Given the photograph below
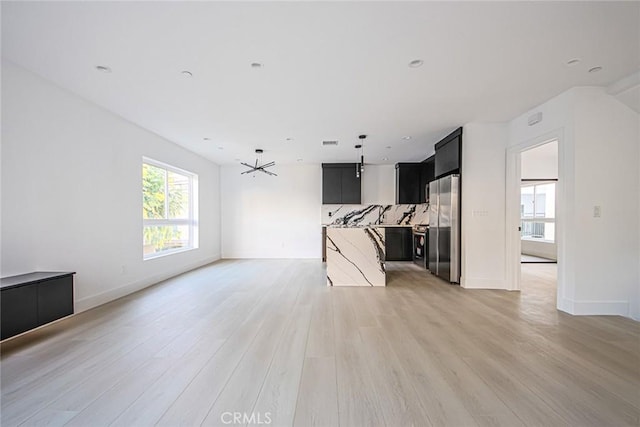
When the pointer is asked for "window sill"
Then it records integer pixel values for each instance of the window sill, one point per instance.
(528, 239)
(167, 253)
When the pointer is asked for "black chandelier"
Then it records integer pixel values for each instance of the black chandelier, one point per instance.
(259, 168)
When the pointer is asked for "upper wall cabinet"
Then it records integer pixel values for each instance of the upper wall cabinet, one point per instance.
(340, 185)
(428, 175)
(411, 182)
(449, 154)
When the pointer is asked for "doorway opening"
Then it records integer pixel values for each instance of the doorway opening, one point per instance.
(534, 219)
(538, 181)
(538, 248)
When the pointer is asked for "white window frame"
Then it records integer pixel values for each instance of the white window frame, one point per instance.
(534, 184)
(191, 222)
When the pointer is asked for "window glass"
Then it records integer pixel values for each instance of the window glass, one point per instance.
(168, 209)
(161, 238)
(153, 192)
(178, 186)
(538, 211)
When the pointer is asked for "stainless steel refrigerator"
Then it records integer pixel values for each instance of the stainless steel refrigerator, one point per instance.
(444, 228)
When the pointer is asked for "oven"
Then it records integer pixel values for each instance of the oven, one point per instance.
(421, 245)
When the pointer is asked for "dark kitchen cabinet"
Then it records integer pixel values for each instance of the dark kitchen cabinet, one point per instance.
(398, 244)
(411, 182)
(31, 300)
(428, 175)
(331, 185)
(340, 185)
(449, 154)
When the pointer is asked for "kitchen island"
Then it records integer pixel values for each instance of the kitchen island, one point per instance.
(355, 256)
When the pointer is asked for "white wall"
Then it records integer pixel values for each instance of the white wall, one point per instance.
(483, 206)
(71, 201)
(271, 216)
(280, 217)
(379, 185)
(598, 262)
(599, 161)
(606, 174)
(540, 162)
(541, 249)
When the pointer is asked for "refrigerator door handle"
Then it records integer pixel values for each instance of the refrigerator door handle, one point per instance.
(433, 254)
(455, 229)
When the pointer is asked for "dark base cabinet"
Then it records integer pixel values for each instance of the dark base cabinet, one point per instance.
(19, 310)
(31, 300)
(399, 243)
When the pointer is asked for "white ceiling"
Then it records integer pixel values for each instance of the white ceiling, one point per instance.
(627, 91)
(332, 70)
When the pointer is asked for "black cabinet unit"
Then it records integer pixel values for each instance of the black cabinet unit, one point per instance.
(55, 299)
(19, 310)
(331, 185)
(411, 182)
(408, 183)
(31, 300)
(340, 184)
(449, 154)
(428, 175)
(398, 243)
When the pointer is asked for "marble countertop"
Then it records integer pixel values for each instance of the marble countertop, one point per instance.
(356, 256)
(374, 215)
(371, 226)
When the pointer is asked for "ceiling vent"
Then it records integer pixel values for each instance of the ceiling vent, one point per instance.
(326, 143)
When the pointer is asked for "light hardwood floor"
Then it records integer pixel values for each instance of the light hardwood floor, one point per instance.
(268, 338)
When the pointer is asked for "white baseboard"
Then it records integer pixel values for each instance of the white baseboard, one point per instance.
(268, 256)
(477, 283)
(92, 301)
(595, 308)
(566, 305)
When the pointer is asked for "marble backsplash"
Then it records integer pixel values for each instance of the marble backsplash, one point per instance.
(354, 215)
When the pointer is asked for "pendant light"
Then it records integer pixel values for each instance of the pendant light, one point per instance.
(360, 162)
(362, 138)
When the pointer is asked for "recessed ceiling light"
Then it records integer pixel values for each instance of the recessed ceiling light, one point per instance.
(416, 63)
(103, 68)
(595, 69)
(206, 139)
(256, 65)
(384, 159)
(406, 138)
(236, 160)
(388, 147)
(186, 73)
(573, 61)
(289, 139)
(220, 148)
(299, 160)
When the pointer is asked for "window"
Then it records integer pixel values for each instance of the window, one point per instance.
(538, 211)
(169, 209)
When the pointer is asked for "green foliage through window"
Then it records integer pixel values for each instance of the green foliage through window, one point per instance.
(153, 189)
(166, 209)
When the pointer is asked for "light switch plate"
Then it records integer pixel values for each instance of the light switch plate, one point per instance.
(597, 211)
